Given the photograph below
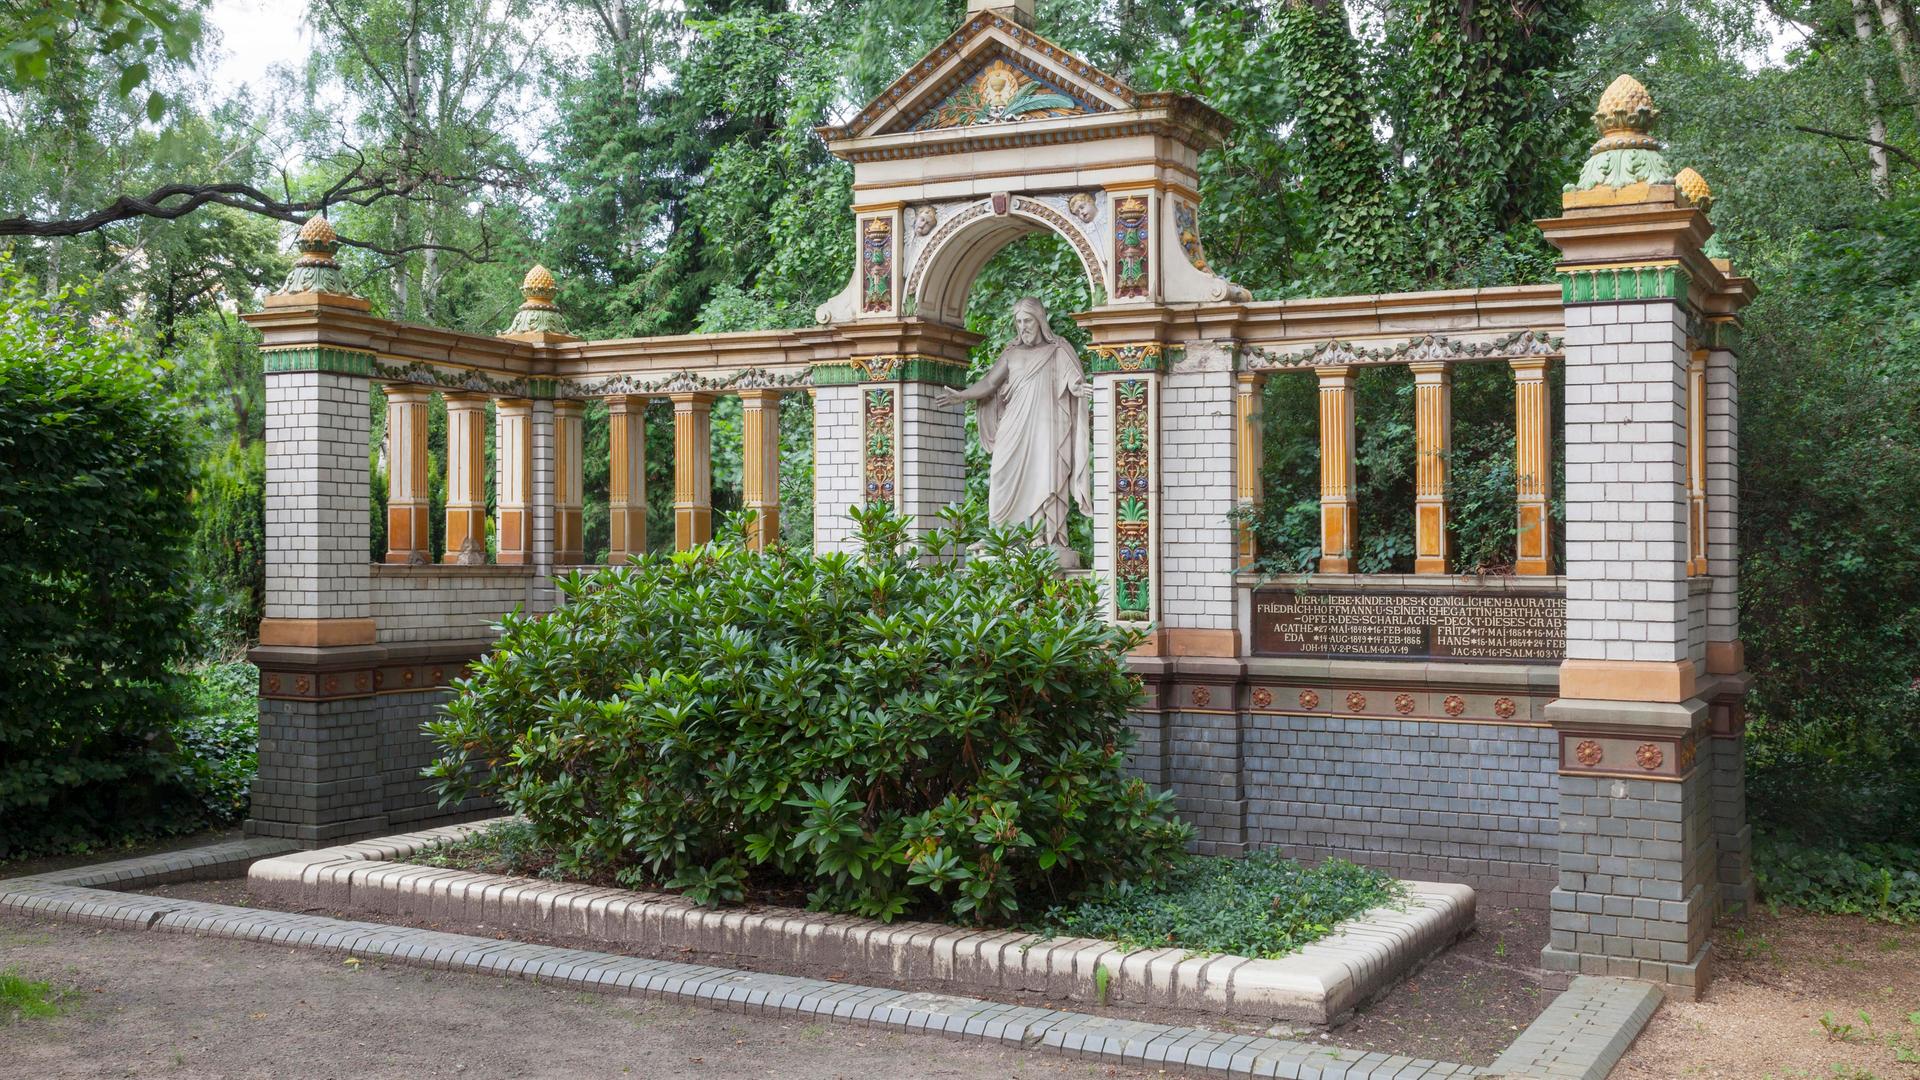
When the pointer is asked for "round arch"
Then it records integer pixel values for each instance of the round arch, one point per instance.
(945, 266)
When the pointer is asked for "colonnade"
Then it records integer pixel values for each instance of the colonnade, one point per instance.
(538, 449)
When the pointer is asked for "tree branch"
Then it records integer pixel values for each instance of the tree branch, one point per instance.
(1888, 147)
(178, 200)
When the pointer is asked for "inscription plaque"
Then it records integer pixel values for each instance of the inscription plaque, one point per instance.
(1369, 624)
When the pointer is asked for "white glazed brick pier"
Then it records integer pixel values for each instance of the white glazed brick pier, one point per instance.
(1627, 595)
(1198, 546)
(316, 527)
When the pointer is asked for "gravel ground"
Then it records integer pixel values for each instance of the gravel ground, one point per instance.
(1777, 977)
(161, 1005)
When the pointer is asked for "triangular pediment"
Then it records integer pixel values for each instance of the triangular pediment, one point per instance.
(990, 71)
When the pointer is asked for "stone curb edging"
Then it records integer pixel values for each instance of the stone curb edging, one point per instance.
(1582, 1034)
(226, 859)
(1318, 984)
(1075, 1034)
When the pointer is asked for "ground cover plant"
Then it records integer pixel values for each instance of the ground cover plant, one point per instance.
(901, 731)
(1260, 905)
(22, 998)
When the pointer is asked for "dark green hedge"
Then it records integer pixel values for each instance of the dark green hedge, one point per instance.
(96, 527)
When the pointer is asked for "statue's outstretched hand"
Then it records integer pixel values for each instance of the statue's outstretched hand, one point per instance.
(947, 397)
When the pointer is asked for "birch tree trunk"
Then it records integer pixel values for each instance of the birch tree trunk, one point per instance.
(1879, 173)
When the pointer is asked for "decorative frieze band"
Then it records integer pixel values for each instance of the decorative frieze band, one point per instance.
(893, 367)
(1148, 356)
(322, 358)
(1629, 756)
(1425, 349)
(1614, 284)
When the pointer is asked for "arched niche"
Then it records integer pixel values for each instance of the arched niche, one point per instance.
(964, 239)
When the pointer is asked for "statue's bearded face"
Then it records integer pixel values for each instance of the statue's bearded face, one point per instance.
(1026, 328)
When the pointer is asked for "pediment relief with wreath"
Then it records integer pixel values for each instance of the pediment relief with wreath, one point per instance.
(990, 71)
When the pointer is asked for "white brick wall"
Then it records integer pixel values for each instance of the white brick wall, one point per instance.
(932, 458)
(1627, 595)
(1723, 495)
(836, 466)
(317, 489)
(1198, 553)
(451, 603)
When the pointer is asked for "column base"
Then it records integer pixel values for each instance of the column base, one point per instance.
(1689, 978)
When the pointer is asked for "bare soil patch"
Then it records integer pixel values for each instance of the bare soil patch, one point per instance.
(1469, 1002)
(1777, 977)
(167, 1005)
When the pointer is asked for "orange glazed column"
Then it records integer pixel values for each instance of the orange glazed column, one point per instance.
(466, 475)
(1433, 435)
(569, 546)
(1533, 465)
(692, 470)
(626, 477)
(760, 466)
(513, 481)
(407, 499)
(1337, 470)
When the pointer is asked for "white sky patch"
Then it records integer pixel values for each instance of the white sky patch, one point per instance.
(256, 36)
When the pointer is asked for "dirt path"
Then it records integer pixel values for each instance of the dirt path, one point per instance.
(160, 1005)
(1777, 978)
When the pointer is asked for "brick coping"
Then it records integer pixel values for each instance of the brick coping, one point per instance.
(1582, 1033)
(1319, 984)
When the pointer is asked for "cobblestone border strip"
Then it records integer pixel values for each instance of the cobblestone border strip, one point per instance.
(1582, 1034)
(1318, 984)
(1073, 1034)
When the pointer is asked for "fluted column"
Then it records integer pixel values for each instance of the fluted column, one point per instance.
(1337, 470)
(1697, 463)
(626, 477)
(760, 465)
(407, 498)
(1532, 466)
(1248, 454)
(466, 475)
(569, 546)
(513, 481)
(1433, 436)
(692, 470)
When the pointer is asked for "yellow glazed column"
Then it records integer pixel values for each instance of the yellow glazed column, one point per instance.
(1697, 463)
(466, 472)
(692, 470)
(407, 502)
(1433, 436)
(513, 481)
(626, 477)
(1248, 452)
(1532, 466)
(569, 547)
(760, 466)
(1337, 470)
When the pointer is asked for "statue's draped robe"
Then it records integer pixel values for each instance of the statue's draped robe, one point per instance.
(1037, 431)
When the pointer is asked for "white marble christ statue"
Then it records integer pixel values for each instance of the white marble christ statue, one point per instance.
(1035, 420)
